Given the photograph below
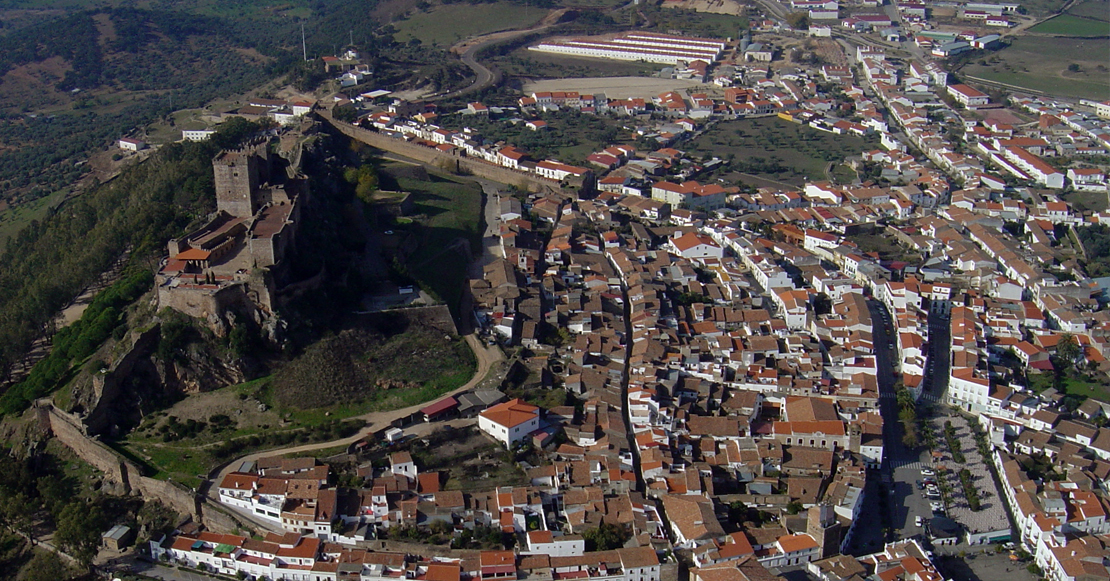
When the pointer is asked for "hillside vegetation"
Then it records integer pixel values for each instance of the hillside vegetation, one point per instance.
(49, 263)
(395, 367)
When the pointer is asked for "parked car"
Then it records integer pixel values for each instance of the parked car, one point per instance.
(928, 472)
(917, 521)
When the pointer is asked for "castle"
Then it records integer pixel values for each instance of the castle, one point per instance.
(238, 259)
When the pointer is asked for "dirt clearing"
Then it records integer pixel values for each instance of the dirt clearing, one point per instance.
(614, 87)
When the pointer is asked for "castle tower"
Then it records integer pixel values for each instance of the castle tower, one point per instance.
(824, 527)
(238, 175)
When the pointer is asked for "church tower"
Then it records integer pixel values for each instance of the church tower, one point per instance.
(824, 527)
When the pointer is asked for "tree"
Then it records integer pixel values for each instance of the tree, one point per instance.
(798, 20)
(1068, 349)
(1074, 68)
(46, 566)
(79, 527)
(794, 507)
(17, 512)
(605, 537)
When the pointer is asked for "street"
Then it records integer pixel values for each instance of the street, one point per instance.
(896, 483)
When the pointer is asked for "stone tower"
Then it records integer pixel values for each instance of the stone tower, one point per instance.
(238, 174)
(824, 527)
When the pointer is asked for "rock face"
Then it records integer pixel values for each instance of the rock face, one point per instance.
(138, 376)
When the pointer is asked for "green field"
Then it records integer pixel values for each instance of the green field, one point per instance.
(1068, 25)
(694, 23)
(1043, 7)
(448, 213)
(1092, 9)
(1041, 64)
(15, 219)
(447, 24)
(776, 149)
(1087, 201)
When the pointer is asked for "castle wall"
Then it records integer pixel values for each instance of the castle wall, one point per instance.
(69, 431)
(440, 159)
(202, 303)
(128, 476)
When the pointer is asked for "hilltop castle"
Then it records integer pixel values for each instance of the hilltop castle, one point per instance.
(238, 259)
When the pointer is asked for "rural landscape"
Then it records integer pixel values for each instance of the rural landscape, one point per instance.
(461, 290)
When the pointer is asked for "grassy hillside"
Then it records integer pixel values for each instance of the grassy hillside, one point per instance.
(389, 366)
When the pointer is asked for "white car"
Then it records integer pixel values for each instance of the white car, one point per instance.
(927, 472)
(917, 521)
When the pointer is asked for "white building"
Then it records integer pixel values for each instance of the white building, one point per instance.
(695, 247)
(196, 134)
(544, 543)
(129, 144)
(510, 422)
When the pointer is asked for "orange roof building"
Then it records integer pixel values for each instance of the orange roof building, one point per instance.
(510, 422)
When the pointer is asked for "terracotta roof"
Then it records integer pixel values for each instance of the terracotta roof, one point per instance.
(511, 413)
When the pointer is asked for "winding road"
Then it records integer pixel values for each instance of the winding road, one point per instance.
(469, 49)
(486, 356)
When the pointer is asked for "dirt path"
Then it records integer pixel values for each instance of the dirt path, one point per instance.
(468, 51)
(486, 356)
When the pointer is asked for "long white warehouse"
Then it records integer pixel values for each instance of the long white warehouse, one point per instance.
(639, 46)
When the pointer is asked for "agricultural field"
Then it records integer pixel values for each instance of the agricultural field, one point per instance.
(1092, 9)
(1044, 64)
(1043, 7)
(779, 150)
(522, 62)
(1070, 25)
(447, 24)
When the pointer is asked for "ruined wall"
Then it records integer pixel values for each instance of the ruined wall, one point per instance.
(128, 476)
(69, 431)
(171, 494)
(202, 303)
(479, 168)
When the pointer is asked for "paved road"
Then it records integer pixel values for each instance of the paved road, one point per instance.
(892, 498)
(375, 421)
(168, 573)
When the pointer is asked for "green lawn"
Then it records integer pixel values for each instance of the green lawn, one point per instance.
(776, 149)
(1075, 386)
(447, 24)
(1068, 25)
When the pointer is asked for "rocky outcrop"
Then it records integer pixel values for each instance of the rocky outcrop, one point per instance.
(134, 378)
